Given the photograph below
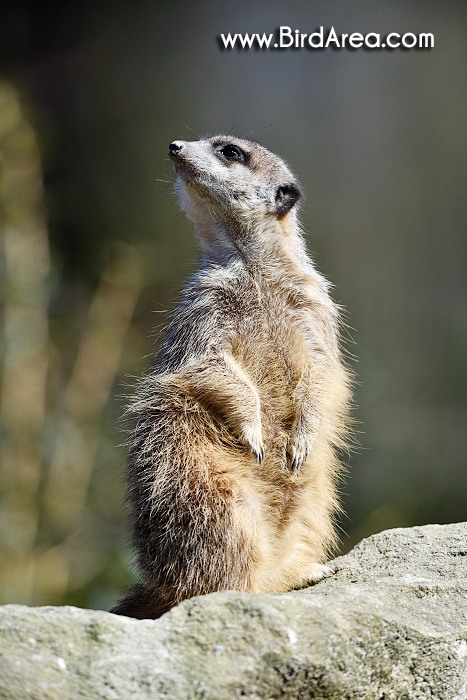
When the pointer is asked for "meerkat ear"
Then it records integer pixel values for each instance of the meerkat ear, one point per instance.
(286, 197)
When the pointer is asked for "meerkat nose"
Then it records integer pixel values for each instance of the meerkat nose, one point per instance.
(175, 147)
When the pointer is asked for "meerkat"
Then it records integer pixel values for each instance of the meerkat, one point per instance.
(233, 465)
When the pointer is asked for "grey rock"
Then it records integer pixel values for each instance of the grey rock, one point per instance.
(390, 625)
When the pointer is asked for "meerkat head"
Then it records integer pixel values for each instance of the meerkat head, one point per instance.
(232, 182)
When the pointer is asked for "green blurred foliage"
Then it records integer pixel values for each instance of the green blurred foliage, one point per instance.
(379, 142)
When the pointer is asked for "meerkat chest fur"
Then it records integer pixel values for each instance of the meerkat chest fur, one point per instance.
(232, 476)
(277, 324)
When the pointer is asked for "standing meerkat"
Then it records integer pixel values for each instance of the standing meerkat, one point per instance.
(233, 467)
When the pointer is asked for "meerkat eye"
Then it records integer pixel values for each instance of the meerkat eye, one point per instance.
(232, 153)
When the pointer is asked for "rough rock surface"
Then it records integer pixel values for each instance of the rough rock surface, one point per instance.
(391, 624)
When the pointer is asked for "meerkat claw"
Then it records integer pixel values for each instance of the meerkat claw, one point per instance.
(252, 439)
(296, 463)
(297, 458)
(319, 571)
(258, 453)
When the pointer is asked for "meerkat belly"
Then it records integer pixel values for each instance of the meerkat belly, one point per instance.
(275, 358)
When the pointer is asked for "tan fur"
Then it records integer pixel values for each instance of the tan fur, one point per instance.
(232, 478)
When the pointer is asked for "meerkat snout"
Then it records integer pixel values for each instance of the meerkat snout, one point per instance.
(175, 147)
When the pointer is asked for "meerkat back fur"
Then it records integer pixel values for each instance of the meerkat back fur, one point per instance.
(233, 465)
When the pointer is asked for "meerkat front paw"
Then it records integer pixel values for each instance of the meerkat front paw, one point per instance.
(300, 448)
(317, 572)
(252, 438)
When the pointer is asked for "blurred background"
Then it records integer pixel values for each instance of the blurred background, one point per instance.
(93, 251)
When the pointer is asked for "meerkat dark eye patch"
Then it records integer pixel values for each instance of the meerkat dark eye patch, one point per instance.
(286, 197)
(232, 153)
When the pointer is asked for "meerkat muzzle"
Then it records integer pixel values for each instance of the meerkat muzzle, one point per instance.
(175, 148)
